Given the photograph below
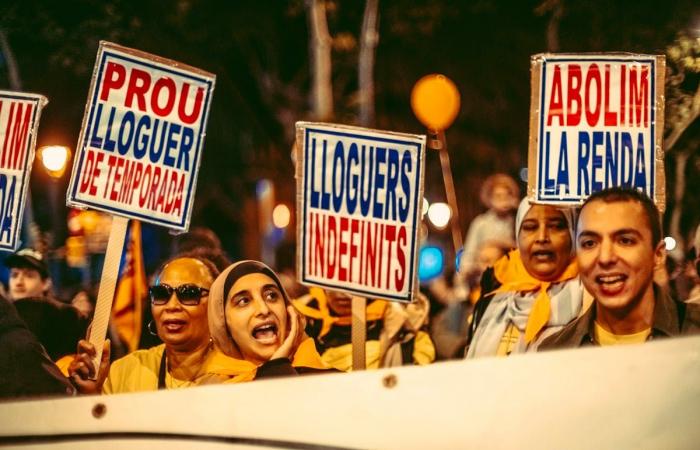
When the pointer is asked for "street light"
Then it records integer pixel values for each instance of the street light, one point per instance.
(55, 159)
(439, 214)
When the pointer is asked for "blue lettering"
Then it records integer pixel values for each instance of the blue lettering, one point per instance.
(640, 173)
(611, 159)
(563, 165)
(95, 140)
(339, 155)
(312, 179)
(352, 179)
(378, 183)
(597, 161)
(123, 147)
(392, 180)
(626, 154)
(406, 168)
(174, 130)
(141, 146)
(584, 154)
(366, 174)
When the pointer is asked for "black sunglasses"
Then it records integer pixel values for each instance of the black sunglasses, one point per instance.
(187, 294)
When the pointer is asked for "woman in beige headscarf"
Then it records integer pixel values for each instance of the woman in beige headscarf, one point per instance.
(252, 321)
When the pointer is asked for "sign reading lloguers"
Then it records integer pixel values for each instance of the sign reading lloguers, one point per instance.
(359, 198)
(19, 122)
(596, 121)
(142, 137)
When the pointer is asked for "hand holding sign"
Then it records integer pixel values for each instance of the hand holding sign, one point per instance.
(139, 151)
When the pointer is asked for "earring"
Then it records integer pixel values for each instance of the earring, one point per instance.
(150, 330)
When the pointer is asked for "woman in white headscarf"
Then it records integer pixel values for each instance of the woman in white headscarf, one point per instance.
(537, 290)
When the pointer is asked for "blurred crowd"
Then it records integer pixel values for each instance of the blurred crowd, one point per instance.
(531, 278)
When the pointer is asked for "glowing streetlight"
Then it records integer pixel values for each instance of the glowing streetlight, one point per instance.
(55, 159)
(281, 216)
(439, 214)
(426, 205)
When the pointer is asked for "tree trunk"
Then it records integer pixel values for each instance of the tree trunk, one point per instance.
(320, 52)
(557, 9)
(369, 37)
(679, 188)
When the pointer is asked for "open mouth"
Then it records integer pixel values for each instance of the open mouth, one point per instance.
(543, 255)
(265, 333)
(611, 284)
(174, 325)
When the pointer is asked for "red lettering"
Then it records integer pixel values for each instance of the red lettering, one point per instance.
(5, 152)
(639, 92)
(111, 161)
(139, 82)
(556, 103)
(87, 171)
(342, 249)
(401, 257)
(117, 178)
(354, 229)
(331, 250)
(178, 198)
(169, 85)
(115, 74)
(196, 109)
(610, 117)
(592, 115)
(390, 238)
(623, 82)
(371, 255)
(573, 96)
(143, 193)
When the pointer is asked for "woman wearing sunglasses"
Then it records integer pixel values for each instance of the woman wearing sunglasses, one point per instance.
(252, 321)
(187, 357)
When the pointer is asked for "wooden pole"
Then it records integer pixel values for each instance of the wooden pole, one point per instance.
(108, 283)
(359, 332)
(450, 190)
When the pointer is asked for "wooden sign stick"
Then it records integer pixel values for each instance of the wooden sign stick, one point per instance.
(108, 283)
(359, 332)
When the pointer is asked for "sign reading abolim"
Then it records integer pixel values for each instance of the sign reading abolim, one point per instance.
(596, 121)
(359, 196)
(141, 142)
(19, 123)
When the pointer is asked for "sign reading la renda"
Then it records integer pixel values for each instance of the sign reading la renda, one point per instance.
(359, 194)
(596, 122)
(142, 137)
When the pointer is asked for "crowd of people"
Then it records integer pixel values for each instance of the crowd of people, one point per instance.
(533, 277)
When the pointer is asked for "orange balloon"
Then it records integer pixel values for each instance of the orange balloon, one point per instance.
(435, 101)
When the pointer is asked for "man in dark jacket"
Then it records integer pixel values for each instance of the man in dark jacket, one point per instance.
(619, 248)
(57, 325)
(25, 369)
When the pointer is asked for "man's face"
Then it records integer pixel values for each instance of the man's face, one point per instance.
(26, 283)
(616, 255)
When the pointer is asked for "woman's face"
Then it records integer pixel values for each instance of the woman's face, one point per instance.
(183, 327)
(544, 242)
(256, 315)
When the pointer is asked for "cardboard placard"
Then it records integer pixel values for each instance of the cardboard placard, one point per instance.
(143, 131)
(359, 199)
(596, 121)
(19, 123)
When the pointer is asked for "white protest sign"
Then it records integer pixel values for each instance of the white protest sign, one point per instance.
(142, 137)
(19, 123)
(596, 121)
(359, 196)
(139, 152)
(617, 397)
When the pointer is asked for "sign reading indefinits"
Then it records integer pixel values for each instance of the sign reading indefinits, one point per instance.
(359, 195)
(19, 122)
(142, 137)
(596, 121)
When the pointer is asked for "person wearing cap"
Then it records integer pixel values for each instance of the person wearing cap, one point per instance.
(396, 333)
(253, 322)
(29, 275)
(619, 247)
(531, 292)
(57, 325)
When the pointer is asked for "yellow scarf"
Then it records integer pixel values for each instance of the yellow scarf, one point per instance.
(240, 370)
(511, 272)
(375, 311)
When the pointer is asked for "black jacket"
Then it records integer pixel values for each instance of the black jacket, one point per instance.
(25, 368)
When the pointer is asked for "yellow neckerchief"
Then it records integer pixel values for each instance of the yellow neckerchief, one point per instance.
(604, 338)
(511, 272)
(374, 311)
(240, 370)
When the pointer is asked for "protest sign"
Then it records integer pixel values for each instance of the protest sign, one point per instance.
(596, 121)
(19, 123)
(139, 152)
(359, 196)
(142, 137)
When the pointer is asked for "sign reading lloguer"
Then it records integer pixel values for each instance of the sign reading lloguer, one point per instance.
(142, 137)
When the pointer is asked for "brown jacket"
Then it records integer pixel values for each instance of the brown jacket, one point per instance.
(671, 318)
